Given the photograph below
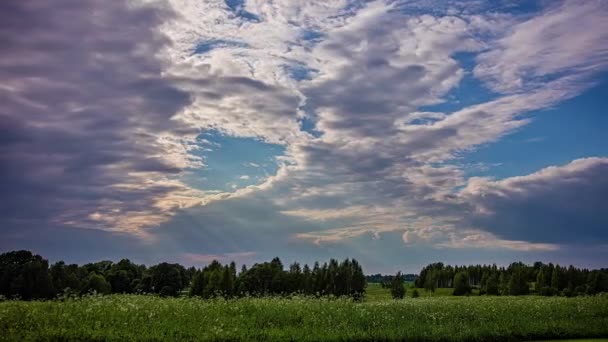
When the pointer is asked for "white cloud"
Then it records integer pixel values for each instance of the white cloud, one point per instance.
(375, 64)
(380, 163)
(567, 39)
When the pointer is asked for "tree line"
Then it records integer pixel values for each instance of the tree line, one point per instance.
(386, 279)
(27, 276)
(269, 278)
(516, 279)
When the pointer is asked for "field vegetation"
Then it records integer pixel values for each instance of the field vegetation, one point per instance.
(333, 301)
(439, 318)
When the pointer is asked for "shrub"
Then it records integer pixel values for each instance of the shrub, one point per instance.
(97, 283)
(167, 291)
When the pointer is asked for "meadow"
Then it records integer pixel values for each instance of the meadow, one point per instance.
(374, 292)
(428, 318)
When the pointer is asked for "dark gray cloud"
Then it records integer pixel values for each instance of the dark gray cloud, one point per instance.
(564, 205)
(82, 103)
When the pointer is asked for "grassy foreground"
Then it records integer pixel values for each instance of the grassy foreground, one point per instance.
(129, 317)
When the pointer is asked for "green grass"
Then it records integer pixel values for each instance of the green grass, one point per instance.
(132, 318)
(375, 292)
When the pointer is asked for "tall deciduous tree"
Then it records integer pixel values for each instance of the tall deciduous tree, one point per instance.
(25, 275)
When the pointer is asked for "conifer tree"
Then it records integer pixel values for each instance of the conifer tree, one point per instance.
(492, 285)
(540, 281)
(556, 279)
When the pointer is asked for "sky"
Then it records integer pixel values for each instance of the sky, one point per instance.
(396, 132)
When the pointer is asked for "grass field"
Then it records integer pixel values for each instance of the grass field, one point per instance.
(375, 292)
(132, 318)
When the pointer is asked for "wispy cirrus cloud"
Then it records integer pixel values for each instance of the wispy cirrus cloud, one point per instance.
(567, 41)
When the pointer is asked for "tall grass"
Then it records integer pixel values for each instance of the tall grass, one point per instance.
(136, 318)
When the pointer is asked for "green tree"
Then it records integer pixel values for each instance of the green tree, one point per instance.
(121, 276)
(165, 274)
(593, 283)
(397, 288)
(197, 286)
(430, 283)
(25, 275)
(518, 284)
(492, 285)
(294, 281)
(483, 285)
(556, 279)
(358, 280)
(461, 284)
(97, 283)
(65, 277)
(503, 283)
(227, 282)
(307, 280)
(144, 285)
(540, 281)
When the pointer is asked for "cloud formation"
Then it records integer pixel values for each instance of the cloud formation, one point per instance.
(535, 51)
(558, 204)
(86, 118)
(99, 126)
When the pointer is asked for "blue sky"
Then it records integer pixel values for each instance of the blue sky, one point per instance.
(574, 129)
(396, 132)
(232, 163)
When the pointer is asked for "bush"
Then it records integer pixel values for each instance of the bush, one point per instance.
(97, 283)
(580, 290)
(547, 291)
(567, 292)
(167, 291)
(415, 293)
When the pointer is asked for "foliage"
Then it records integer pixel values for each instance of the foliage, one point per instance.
(97, 284)
(517, 278)
(492, 285)
(332, 278)
(431, 281)
(386, 279)
(168, 276)
(25, 276)
(461, 284)
(541, 281)
(151, 318)
(397, 288)
(517, 283)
